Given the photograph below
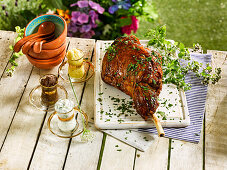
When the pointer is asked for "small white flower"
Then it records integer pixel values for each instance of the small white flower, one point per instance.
(50, 12)
(87, 136)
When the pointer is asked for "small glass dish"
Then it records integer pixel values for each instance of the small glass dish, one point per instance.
(89, 71)
(52, 124)
(36, 100)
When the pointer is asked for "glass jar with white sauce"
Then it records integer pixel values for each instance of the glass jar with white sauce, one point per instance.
(66, 115)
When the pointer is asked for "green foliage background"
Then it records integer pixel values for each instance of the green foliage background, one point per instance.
(24, 11)
(187, 21)
(192, 21)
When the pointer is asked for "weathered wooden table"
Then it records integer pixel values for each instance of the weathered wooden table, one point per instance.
(26, 142)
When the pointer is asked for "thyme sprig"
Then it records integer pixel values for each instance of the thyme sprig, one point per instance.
(173, 53)
(87, 135)
(14, 56)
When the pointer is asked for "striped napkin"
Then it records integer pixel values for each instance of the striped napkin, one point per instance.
(196, 99)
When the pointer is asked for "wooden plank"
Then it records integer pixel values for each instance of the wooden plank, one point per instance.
(84, 155)
(51, 151)
(23, 133)
(6, 39)
(181, 152)
(216, 116)
(85, 152)
(185, 155)
(88, 100)
(117, 155)
(180, 155)
(40, 149)
(18, 146)
(11, 88)
(156, 157)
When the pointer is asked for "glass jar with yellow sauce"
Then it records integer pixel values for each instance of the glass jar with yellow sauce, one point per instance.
(75, 60)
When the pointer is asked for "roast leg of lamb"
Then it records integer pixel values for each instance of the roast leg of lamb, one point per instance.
(135, 70)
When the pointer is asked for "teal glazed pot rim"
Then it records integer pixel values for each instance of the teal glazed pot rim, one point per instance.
(33, 24)
(60, 30)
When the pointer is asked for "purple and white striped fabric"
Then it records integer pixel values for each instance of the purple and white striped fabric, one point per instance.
(196, 99)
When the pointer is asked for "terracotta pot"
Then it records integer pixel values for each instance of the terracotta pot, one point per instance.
(47, 63)
(60, 31)
(47, 54)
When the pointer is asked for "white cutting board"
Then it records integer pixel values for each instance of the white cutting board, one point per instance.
(108, 102)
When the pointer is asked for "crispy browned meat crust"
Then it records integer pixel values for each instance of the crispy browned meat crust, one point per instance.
(135, 70)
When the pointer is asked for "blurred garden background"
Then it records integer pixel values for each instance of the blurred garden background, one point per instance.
(187, 21)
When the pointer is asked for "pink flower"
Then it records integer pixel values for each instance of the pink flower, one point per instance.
(75, 16)
(129, 28)
(81, 4)
(83, 18)
(85, 28)
(96, 7)
(93, 15)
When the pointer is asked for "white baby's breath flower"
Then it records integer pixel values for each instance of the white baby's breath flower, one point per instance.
(87, 136)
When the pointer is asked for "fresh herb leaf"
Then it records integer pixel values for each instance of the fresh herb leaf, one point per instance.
(12, 60)
(173, 71)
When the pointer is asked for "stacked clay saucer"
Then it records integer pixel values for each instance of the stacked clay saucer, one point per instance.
(53, 50)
